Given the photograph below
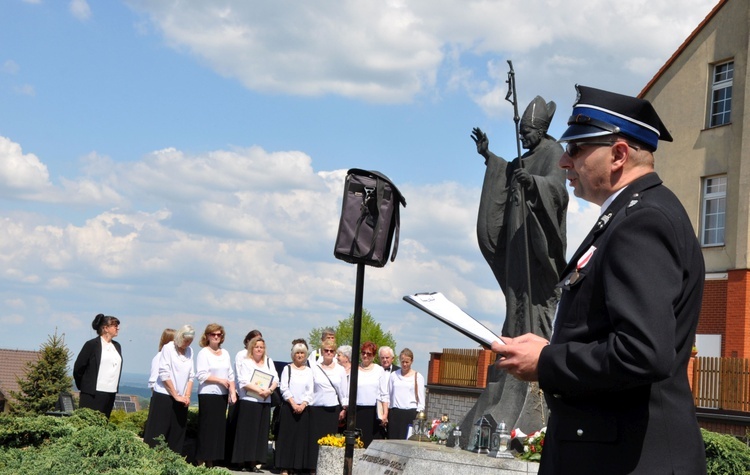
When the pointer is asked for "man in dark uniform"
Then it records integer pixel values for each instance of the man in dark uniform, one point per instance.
(615, 371)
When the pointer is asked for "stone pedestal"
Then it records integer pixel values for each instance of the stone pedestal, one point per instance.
(331, 460)
(403, 457)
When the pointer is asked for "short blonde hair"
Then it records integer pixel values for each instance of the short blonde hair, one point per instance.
(251, 344)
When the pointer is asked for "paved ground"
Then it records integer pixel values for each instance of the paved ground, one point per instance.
(246, 472)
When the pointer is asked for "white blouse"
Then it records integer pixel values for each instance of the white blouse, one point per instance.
(297, 384)
(209, 364)
(246, 367)
(401, 390)
(154, 375)
(109, 368)
(372, 385)
(176, 368)
(326, 389)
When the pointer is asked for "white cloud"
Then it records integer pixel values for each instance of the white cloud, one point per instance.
(21, 172)
(25, 177)
(10, 67)
(25, 90)
(392, 51)
(80, 9)
(376, 51)
(235, 236)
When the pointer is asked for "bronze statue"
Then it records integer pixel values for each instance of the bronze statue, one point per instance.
(500, 226)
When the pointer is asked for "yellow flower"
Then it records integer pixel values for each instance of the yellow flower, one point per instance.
(338, 441)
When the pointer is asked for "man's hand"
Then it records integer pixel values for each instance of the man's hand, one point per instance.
(523, 177)
(520, 355)
(483, 143)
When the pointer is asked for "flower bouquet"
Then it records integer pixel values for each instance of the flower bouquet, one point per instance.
(533, 445)
(440, 429)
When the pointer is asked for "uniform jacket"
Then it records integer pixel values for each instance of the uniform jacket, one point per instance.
(615, 375)
(86, 367)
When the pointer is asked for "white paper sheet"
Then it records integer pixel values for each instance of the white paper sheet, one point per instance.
(437, 305)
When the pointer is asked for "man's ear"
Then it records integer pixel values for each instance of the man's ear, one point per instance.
(620, 153)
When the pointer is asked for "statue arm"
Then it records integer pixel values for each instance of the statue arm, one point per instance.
(482, 142)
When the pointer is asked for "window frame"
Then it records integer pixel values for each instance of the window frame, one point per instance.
(720, 94)
(715, 235)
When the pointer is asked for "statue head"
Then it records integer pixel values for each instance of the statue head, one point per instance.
(535, 122)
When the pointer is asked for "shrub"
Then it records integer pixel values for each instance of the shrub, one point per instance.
(42, 445)
(85, 417)
(132, 421)
(725, 455)
(31, 431)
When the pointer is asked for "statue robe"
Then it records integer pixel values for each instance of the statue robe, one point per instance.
(501, 236)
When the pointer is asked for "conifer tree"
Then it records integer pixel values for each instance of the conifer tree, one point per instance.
(45, 379)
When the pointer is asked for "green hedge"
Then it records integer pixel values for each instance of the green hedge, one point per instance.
(84, 444)
(725, 455)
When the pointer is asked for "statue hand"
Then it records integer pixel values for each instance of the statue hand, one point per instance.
(483, 143)
(523, 177)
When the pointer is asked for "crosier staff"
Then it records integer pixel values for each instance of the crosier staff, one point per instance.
(511, 97)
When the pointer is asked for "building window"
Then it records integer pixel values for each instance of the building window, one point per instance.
(721, 94)
(714, 210)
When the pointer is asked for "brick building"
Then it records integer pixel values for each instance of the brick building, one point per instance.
(700, 95)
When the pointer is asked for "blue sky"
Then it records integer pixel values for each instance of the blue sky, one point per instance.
(182, 162)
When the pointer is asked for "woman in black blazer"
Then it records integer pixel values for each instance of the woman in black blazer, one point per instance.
(98, 367)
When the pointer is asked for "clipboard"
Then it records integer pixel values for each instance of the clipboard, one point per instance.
(437, 305)
(261, 379)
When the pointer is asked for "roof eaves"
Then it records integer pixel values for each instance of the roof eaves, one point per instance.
(682, 47)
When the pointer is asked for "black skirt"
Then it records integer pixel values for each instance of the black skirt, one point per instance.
(232, 413)
(166, 417)
(368, 422)
(251, 435)
(399, 421)
(324, 420)
(212, 426)
(291, 443)
(99, 401)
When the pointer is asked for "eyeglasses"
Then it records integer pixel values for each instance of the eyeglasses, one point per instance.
(116, 325)
(366, 353)
(574, 148)
(328, 351)
(218, 334)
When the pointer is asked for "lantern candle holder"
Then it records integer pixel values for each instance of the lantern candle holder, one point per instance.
(420, 428)
(482, 433)
(500, 443)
